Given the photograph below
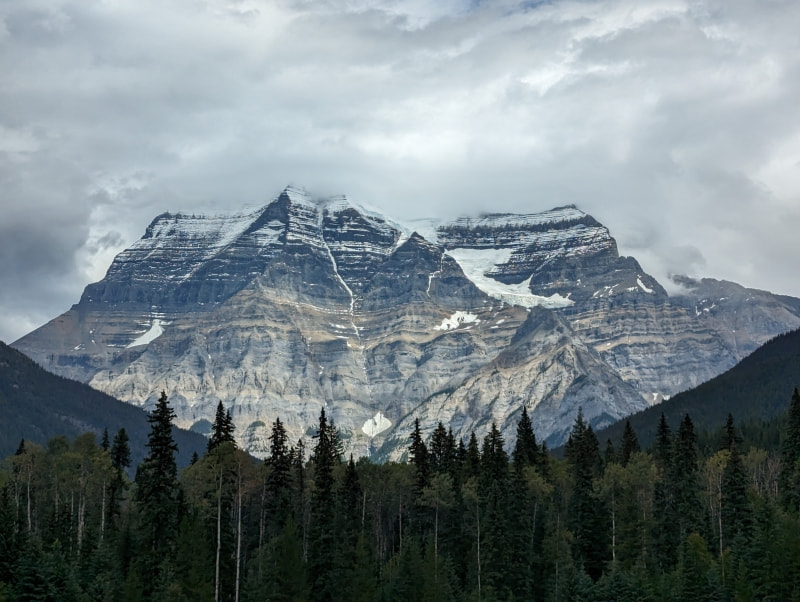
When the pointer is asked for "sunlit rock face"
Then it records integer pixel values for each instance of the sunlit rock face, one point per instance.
(308, 303)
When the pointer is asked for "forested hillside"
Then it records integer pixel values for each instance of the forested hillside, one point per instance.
(36, 405)
(756, 391)
(461, 520)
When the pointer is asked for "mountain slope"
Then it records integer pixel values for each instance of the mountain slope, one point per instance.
(310, 302)
(757, 388)
(37, 405)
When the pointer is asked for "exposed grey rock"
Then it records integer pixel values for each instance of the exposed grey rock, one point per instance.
(307, 303)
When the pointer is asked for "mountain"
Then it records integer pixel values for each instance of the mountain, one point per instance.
(37, 405)
(757, 388)
(310, 302)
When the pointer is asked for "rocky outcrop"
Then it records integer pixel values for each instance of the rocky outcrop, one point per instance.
(316, 302)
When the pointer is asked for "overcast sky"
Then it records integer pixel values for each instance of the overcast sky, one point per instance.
(675, 123)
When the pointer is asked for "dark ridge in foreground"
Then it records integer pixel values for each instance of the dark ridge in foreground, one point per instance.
(36, 405)
(757, 388)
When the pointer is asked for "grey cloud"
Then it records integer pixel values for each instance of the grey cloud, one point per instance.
(673, 122)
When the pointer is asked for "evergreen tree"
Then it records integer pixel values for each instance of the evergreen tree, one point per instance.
(418, 454)
(729, 438)
(279, 480)
(8, 537)
(222, 429)
(121, 451)
(587, 517)
(442, 450)
(610, 455)
(630, 443)
(105, 444)
(666, 536)
(472, 460)
(120, 461)
(789, 480)
(158, 497)
(299, 498)
(685, 481)
(321, 545)
(494, 493)
(735, 507)
(526, 451)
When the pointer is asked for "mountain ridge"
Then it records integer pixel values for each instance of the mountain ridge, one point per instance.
(307, 303)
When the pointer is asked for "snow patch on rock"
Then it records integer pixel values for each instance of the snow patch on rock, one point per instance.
(152, 334)
(477, 263)
(642, 286)
(375, 425)
(456, 320)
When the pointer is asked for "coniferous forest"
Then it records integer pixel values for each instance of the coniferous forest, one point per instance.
(460, 520)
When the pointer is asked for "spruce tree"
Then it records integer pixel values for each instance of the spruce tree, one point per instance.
(418, 454)
(789, 479)
(121, 451)
(279, 480)
(472, 461)
(158, 498)
(587, 518)
(441, 451)
(494, 493)
(735, 508)
(665, 533)
(630, 443)
(120, 461)
(526, 450)
(321, 549)
(222, 429)
(685, 480)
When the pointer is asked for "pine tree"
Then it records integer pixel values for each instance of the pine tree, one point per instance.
(222, 429)
(441, 450)
(789, 480)
(630, 443)
(121, 451)
(418, 454)
(729, 438)
(472, 460)
(610, 455)
(494, 493)
(526, 451)
(158, 497)
(322, 547)
(665, 528)
(685, 481)
(588, 516)
(120, 461)
(735, 506)
(279, 480)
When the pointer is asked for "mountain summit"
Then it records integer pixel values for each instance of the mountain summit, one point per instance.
(317, 302)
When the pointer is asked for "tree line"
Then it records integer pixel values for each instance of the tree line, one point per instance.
(459, 520)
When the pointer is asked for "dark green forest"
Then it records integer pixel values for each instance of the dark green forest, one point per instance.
(461, 520)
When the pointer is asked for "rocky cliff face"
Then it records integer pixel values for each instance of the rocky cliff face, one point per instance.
(307, 303)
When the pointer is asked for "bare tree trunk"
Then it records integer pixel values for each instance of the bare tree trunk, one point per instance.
(219, 536)
(436, 546)
(478, 516)
(238, 532)
(103, 512)
(613, 525)
(30, 526)
(363, 508)
(81, 516)
(558, 552)
(400, 518)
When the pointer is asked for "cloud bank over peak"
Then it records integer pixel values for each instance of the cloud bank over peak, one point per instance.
(675, 123)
